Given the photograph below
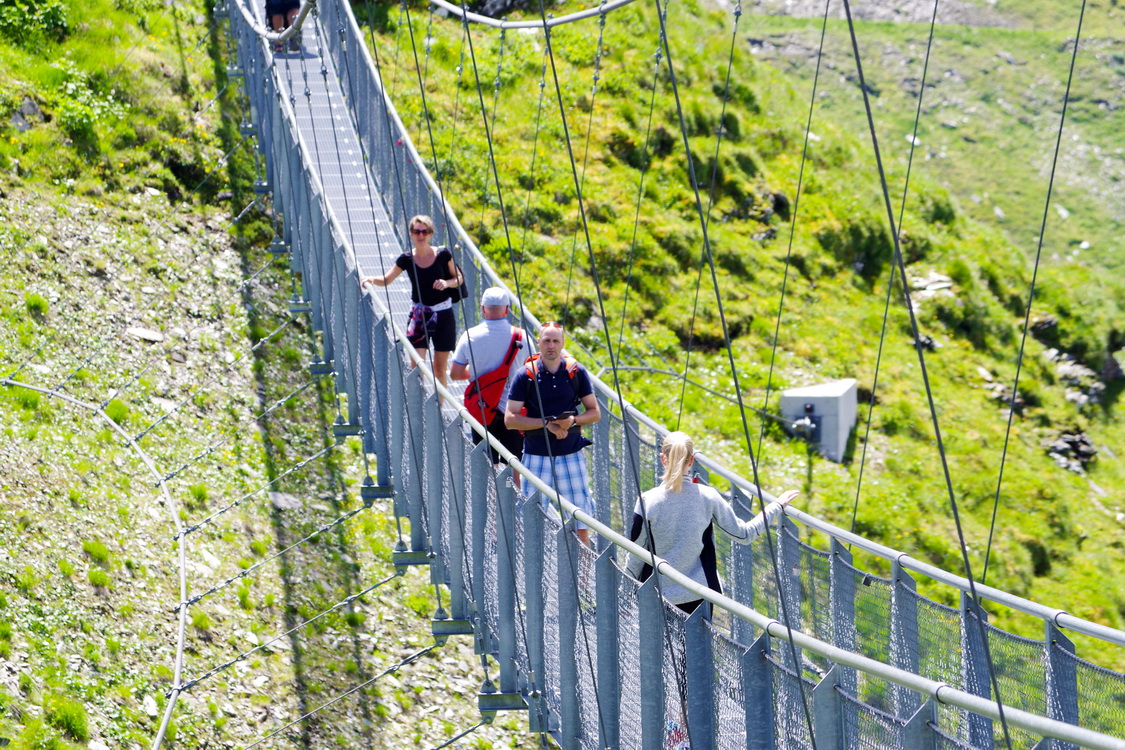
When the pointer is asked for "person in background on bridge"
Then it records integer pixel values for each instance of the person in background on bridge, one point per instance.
(491, 354)
(280, 14)
(551, 385)
(680, 523)
(433, 275)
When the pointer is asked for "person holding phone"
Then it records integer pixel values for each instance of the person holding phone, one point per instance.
(558, 397)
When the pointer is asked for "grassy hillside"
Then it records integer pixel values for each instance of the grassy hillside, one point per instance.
(1058, 534)
(126, 281)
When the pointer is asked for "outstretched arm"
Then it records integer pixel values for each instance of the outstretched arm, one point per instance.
(745, 532)
(383, 280)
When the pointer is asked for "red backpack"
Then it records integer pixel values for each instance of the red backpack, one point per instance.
(483, 395)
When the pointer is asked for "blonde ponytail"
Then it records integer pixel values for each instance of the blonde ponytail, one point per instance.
(678, 452)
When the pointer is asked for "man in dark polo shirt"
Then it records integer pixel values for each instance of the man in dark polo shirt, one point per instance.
(552, 385)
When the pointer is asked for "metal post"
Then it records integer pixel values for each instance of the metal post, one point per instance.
(741, 569)
(631, 471)
(757, 692)
(480, 469)
(538, 720)
(505, 580)
(700, 673)
(396, 449)
(458, 533)
(355, 350)
(1062, 680)
(325, 252)
(904, 637)
(568, 641)
(434, 483)
(828, 725)
(601, 467)
(651, 664)
(608, 634)
(411, 446)
(789, 556)
(918, 732)
(975, 667)
(378, 399)
(842, 585)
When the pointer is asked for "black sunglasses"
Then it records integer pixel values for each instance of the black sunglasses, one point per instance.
(422, 230)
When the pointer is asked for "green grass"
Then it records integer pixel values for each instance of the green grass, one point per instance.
(36, 304)
(99, 578)
(96, 551)
(841, 256)
(118, 411)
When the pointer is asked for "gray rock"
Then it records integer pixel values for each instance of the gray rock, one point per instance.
(30, 110)
(146, 334)
(284, 501)
(19, 123)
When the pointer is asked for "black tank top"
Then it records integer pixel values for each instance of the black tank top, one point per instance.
(422, 279)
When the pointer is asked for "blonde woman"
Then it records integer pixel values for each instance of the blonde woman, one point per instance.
(432, 274)
(681, 518)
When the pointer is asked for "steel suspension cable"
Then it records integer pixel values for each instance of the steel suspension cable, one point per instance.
(295, 467)
(792, 229)
(786, 618)
(586, 153)
(737, 13)
(891, 279)
(678, 667)
(267, 643)
(211, 448)
(1031, 293)
(925, 374)
(573, 564)
(534, 156)
(215, 375)
(494, 475)
(391, 670)
(658, 57)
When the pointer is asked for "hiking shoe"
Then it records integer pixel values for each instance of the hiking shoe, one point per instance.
(278, 47)
(295, 42)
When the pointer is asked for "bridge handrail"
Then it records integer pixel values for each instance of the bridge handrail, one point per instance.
(1057, 616)
(1020, 604)
(496, 23)
(285, 34)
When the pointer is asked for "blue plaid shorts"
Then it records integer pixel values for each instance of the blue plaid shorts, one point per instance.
(573, 481)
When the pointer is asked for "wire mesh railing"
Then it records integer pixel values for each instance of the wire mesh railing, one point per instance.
(583, 646)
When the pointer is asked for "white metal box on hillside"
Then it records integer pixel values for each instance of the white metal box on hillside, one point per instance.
(831, 407)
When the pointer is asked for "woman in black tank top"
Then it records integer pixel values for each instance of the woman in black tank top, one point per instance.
(432, 274)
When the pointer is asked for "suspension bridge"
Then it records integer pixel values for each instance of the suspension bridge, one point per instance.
(805, 648)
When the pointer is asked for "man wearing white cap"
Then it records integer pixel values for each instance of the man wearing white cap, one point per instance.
(489, 354)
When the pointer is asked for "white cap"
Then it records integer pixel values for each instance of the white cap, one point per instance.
(495, 296)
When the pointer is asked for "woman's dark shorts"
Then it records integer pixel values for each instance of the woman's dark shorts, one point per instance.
(280, 7)
(443, 334)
